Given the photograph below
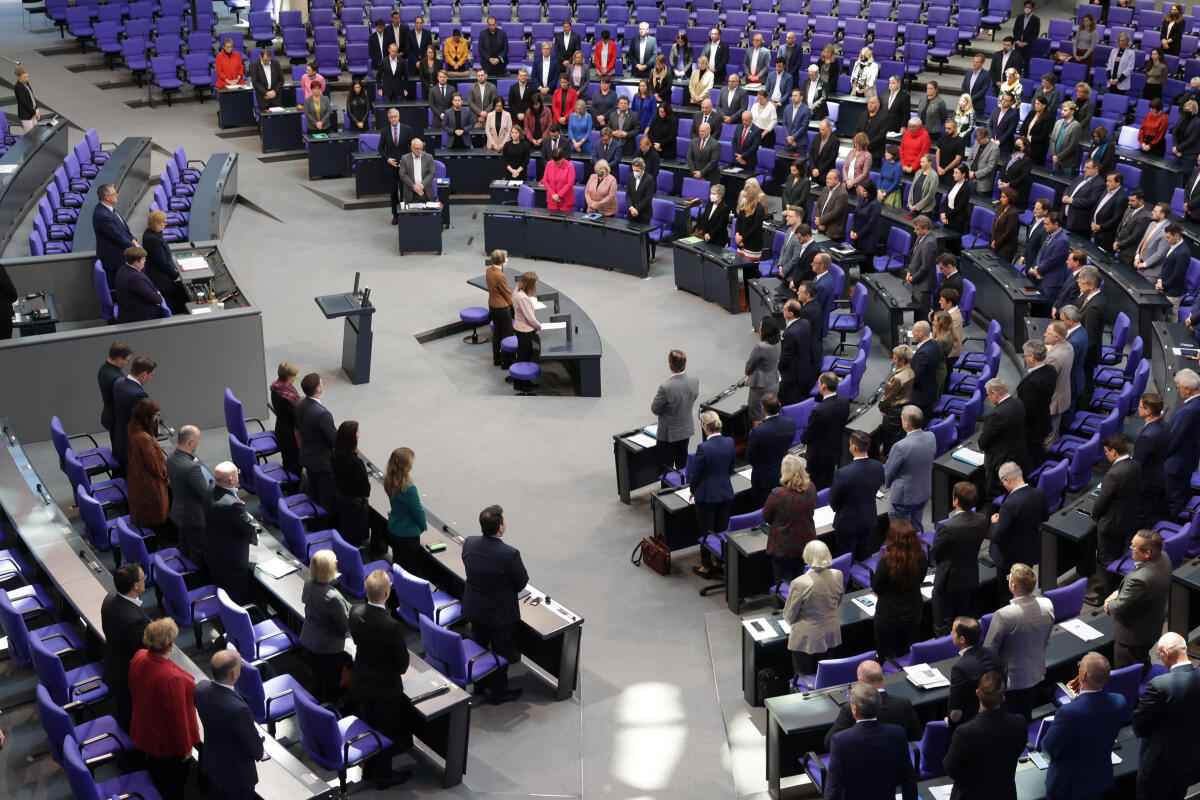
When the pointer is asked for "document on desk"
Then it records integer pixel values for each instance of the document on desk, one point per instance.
(192, 263)
(760, 629)
(642, 440)
(1081, 629)
(651, 430)
(276, 567)
(685, 494)
(924, 676)
(554, 326)
(275, 108)
(867, 603)
(972, 457)
(823, 516)
(6, 169)
(941, 792)
(745, 472)
(537, 304)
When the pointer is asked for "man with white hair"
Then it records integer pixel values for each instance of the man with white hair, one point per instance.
(814, 90)
(229, 531)
(1183, 452)
(642, 52)
(1163, 720)
(1017, 525)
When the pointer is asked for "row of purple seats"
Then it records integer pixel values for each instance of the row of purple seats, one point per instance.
(57, 211)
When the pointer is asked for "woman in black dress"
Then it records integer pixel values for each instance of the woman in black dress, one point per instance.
(1036, 128)
(351, 484)
(663, 130)
(897, 584)
(358, 107)
(516, 154)
(160, 264)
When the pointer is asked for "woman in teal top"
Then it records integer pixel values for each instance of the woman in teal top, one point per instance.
(406, 521)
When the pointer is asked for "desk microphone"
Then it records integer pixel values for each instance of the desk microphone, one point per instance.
(42, 493)
(11, 438)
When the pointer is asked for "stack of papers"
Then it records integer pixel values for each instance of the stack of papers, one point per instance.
(867, 603)
(1081, 629)
(823, 516)
(745, 472)
(642, 440)
(924, 676)
(276, 567)
(554, 326)
(972, 457)
(686, 494)
(760, 629)
(192, 263)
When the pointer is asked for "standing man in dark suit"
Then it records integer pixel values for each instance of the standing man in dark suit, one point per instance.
(1035, 391)
(893, 709)
(111, 371)
(391, 81)
(1002, 125)
(624, 124)
(1172, 283)
(493, 48)
(1093, 310)
(266, 77)
(1036, 236)
(380, 661)
(797, 368)
(229, 531)
(495, 574)
(639, 193)
(869, 742)
(1016, 531)
(127, 392)
(704, 156)
(394, 143)
(731, 101)
(815, 90)
(717, 53)
(924, 364)
(983, 753)
(956, 552)
(769, 442)
(1150, 450)
(1025, 31)
(922, 263)
(123, 621)
(1183, 452)
(566, 44)
(673, 404)
(1163, 720)
(896, 105)
(112, 234)
(189, 485)
(706, 115)
(315, 425)
(377, 45)
(823, 434)
(1132, 228)
(974, 661)
(977, 82)
(747, 138)
(1049, 268)
(1080, 741)
(1003, 436)
(1139, 606)
(852, 498)
(712, 491)
(1004, 59)
(810, 309)
(1081, 198)
(823, 152)
(1116, 511)
(136, 295)
(416, 42)
(232, 743)
(396, 34)
(1109, 212)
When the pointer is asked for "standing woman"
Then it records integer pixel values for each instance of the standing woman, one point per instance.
(351, 484)
(1186, 133)
(680, 60)
(230, 69)
(829, 67)
(751, 211)
(890, 175)
(537, 120)
(762, 367)
(428, 70)
(160, 264)
(644, 105)
(765, 117)
(1152, 135)
(943, 335)
(558, 176)
(525, 322)
(406, 521)
(789, 512)
(868, 236)
(500, 305)
(712, 488)
(1084, 45)
(164, 724)
(600, 194)
(956, 204)
(1120, 65)
(579, 129)
(27, 107)
(326, 623)
(857, 166)
(897, 584)
(516, 153)
(796, 187)
(897, 390)
(1006, 225)
(497, 127)
(700, 83)
(664, 129)
(146, 477)
(812, 609)
(1156, 75)
(1036, 128)
(661, 79)
(864, 75)
(1172, 31)
(358, 106)
(922, 195)
(283, 402)
(579, 75)
(964, 116)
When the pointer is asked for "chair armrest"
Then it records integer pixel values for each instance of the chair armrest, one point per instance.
(253, 610)
(89, 682)
(437, 609)
(261, 427)
(200, 600)
(495, 658)
(262, 639)
(202, 164)
(811, 759)
(101, 737)
(87, 436)
(260, 665)
(275, 697)
(346, 746)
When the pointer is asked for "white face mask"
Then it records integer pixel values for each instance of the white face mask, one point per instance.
(712, 198)
(1029, 12)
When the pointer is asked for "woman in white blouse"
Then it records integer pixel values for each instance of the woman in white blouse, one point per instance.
(1120, 65)
(864, 74)
(765, 118)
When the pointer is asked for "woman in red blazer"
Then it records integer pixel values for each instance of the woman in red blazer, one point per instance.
(164, 724)
(558, 176)
(604, 54)
(230, 69)
(563, 104)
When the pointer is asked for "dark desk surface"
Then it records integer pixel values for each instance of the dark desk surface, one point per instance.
(575, 217)
(947, 237)
(1132, 282)
(35, 155)
(1012, 280)
(1143, 159)
(1165, 361)
(585, 341)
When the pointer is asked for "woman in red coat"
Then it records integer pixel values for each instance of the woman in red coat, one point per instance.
(558, 177)
(230, 70)
(146, 477)
(164, 724)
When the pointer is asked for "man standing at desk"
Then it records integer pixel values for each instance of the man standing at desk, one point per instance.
(823, 434)
(111, 371)
(1016, 527)
(769, 442)
(391, 81)
(922, 264)
(1163, 720)
(852, 498)
(799, 359)
(982, 756)
(673, 404)
(266, 76)
(1019, 634)
(1116, 512)
(189, 485)
(893, 709)
(126, 393)
(136, 295)
(868, 760)
(315, 425)
(417, 174)
(956, 553)
(1140, 604)
(495, 574)
(228, 533)
(232, 743)
(123, 621)
(1183, 452)
(1080, 741)
(493, 48)
(113, 236)
(392, 141)
(909, 469)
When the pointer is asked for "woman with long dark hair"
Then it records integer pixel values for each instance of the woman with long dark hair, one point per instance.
(897, 585)
(146, 477)
(351, 484)
(406, 522)
(358, 106)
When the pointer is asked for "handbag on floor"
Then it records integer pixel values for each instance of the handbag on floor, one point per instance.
(656, 555)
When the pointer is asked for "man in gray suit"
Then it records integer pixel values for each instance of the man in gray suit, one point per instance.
(909, 468)
(1064, 142)
(704, 156)
(1152, 250)
(832, 208)
(481, 98)
(229, 530)
(1132, 228)
(1019, 634)
(1140, 604)
(417, 174)
(315, 426)
(674, 403)
(983, 162)
(189, 483)
(922, 262)
(732, 101)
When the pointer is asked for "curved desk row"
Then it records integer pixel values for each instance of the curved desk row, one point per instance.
(570, 237)
(33, 160)
(70, 565)
(128, 169)
(1002, 292)
(577, 346)
(214, 198)
(1135, 295)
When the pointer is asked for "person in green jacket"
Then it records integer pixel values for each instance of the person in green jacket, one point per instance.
(406, 522)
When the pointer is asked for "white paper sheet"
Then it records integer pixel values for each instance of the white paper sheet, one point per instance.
(276, 567)
(1081, 629)
(685, 493)
(970, 456)
(554, 326)
(642, 440)
(822, 516)
(192, 263)
(759, 630)
(941, 792)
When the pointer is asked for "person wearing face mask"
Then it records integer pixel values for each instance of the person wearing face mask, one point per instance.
(864, 74)
(639, 192)
(1017, 173)
(713, 223)
(1025, 31)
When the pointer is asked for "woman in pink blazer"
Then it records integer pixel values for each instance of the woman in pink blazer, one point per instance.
(601, 191)
(558, 177)
(857, 166)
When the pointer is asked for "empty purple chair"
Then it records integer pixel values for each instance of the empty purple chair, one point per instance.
(95, 459)
(1068, 600)
(163, 70)
(270, 700)
(833, 672)
(335, 743)
(301, 543)
(71, 688)
(418, 598)
(263, 443)
(97, 740)
(58, 637)
(255, 641)
(461, 660)
(190, 608)
(270, 496)
(353, 572)
(84, 786)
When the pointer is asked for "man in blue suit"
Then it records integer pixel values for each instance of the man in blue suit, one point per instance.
(769, 442)
(1037, 234)
(232, 743)
(977, 82)
(1170, 705)
(1172, 282)
(869, 760)
(1050, 267)
(925, 359)
(1150, 450)
(137, 297)
(909, 468)
(712, 490)
(1077, 337)
(852, 498)
(607, 148)
(112, 234)
(796, 116)
(822, 288)
(747, 138)
(127, 392)
(1080, 739)
(779, 85)
(1081, 198)
(1183, 450)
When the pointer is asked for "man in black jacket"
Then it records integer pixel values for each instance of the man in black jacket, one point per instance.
(1109, 212)
(266, 76)
(639, 193)
(852, 498)
(1163, 720)
(495, 575)
(797, 369)
(956, 552)
(1003, 436)
(379, 664)
(1035, 392)
(228, 533)
(1115, 510)
(925, 359)
(893, 709)
(111, 371)
(123, 622)
(983, 753)
(232, 743)
(315, 426)
(769, 442)
(127, 392)
(973, 663)
(1150, 450)
(874, 123)
(1131, 228)
(823, 434)
(1017, 527)
(394, 143)
(1094, 310)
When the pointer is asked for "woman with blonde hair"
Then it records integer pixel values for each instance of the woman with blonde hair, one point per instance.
(864, 74)
(789, 512)
(326, 623)
(700, 84)
(812, 609)
(601, 191)
(27, 107)
(943, 334)
(751, 211)
(1011, 84)
(406, 521)
(964, 115)
(897, 390)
